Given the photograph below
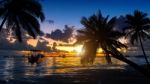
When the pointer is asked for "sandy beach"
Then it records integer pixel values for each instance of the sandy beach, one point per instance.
(102, 76)
(89, 76)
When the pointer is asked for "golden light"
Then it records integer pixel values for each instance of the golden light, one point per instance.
(77, 48)
(100, 50)
(11, 39)
(32, 42)
(65, 48)
(122, 50)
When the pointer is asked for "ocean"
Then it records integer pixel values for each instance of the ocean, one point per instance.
(14, 66)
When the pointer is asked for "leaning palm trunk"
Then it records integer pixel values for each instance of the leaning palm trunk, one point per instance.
(146, 59)
(132, 64)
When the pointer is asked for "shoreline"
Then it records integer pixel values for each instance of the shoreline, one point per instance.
(101, 76)
(90, 76)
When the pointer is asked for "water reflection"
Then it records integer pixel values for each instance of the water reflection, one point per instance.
(35, 59)
(18, 67)
(8, 66)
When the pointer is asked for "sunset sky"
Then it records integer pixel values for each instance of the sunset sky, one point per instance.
(70, 11)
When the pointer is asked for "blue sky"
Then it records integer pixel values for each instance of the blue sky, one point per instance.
(70, 11)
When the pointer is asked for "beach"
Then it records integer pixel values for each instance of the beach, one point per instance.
(101, 75)
(74, 42)
(17, 70)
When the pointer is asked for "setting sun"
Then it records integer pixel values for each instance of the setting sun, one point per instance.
(74, 42)
(77, 48)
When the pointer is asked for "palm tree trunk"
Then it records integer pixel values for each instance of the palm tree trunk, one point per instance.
(146, 59)
(90, 53)
(93, 51)
(108, 58)
(132, 64)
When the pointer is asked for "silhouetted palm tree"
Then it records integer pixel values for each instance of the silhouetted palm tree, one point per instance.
(137, 28)
(21, 14)
(99, 32)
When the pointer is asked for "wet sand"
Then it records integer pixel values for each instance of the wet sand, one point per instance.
(90, 76)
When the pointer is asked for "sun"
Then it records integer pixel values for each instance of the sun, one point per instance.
(78, 48)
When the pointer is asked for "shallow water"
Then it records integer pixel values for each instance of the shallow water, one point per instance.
(18, 67)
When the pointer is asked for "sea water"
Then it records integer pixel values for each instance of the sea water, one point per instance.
(17, 67)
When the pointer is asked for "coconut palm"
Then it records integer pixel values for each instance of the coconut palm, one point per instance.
(95, 34)
(138, 25)
(21, 15)
(99, 32)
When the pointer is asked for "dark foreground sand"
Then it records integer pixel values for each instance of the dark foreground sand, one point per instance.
(100, 76)
(91, 76)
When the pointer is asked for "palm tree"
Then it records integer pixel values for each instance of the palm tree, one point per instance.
(95, 34)
(137, 28)
(21, 15)
(99, 32)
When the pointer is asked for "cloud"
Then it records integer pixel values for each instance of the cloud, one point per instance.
(64, 35)
(9, 42)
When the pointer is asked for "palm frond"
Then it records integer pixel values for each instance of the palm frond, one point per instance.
(112, 21)
(137, 22)
(99, 31)
(134, 38)
(27, 12)
(17, 30)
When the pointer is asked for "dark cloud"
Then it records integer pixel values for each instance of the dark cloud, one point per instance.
(62, 35)
(57, 34)
(68, 32)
